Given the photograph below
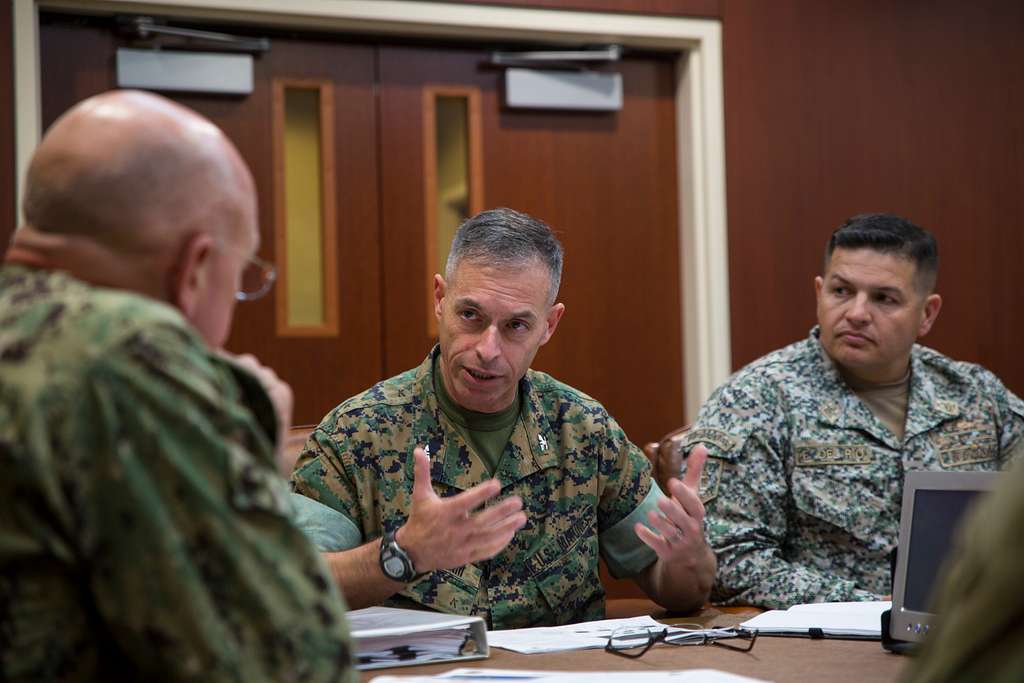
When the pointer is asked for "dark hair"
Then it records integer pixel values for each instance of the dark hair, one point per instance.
(890, 234)
(505, 237)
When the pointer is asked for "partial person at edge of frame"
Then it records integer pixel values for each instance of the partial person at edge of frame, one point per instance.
(980, 607)
(145, 530)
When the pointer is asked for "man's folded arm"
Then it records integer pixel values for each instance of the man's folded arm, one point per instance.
(747, 526)
(753, 573)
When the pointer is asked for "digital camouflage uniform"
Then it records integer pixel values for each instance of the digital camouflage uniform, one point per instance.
(144, 531)
(980, 603)
(804, 484)
(582, 483)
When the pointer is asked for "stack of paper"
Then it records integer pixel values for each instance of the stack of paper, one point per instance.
(823, 619)
(512, 676)
(385, 636)
(587, 634)
(590, 634)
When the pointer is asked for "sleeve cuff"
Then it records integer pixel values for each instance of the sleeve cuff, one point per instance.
(328, 529)
(623, 551)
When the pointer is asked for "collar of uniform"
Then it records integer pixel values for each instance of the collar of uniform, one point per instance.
(532, 446)
(926, 408)
(452, 462)
(838, 406)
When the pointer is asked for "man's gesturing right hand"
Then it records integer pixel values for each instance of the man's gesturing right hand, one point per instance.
(443, 533)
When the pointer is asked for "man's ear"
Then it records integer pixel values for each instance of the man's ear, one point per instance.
(190, 274)
(554, 315)
(931, 311)
(440, 287)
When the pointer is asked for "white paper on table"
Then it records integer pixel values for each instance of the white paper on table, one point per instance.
(497, 675)
(836, 619)
(582, 636)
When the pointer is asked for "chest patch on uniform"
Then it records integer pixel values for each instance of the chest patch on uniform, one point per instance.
(965, 442)
(811, 454)
(711, 478)
(716, 437)
(561, 544)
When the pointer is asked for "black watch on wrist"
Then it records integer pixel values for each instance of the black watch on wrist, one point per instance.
(395, 562)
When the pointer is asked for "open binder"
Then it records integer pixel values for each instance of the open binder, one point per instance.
(851, 620)
(386, 636)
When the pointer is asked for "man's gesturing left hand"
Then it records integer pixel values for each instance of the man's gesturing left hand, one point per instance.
(679, 529)
(681, 578)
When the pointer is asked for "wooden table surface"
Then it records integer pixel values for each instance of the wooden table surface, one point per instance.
(784, 660)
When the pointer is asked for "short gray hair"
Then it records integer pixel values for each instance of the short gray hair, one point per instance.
(504, 237)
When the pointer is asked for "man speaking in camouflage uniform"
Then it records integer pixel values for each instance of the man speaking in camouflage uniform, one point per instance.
(145, 531)
(808, 445)
(573, 486)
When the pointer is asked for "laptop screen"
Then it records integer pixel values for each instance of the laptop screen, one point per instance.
(934, 504)
(930, 542)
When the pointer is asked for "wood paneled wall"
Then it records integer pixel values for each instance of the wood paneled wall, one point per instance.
(838, 107)
(834, 108)
(7, 178)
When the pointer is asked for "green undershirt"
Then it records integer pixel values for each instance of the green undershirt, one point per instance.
(486, 433)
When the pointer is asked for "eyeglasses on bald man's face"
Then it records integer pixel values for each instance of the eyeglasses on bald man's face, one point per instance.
(258, 276)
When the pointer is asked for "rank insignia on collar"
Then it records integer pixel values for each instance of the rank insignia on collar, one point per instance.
(543, 442)
(948, 407)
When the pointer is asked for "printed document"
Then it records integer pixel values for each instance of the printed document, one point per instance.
(586, 635)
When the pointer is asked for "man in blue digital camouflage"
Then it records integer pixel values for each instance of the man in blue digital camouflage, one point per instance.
(408, 474)
(145, 530)
(808, 446)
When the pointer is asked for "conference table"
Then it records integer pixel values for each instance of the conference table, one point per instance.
(773, 658)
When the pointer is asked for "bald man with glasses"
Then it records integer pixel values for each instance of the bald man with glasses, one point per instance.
(145, 530)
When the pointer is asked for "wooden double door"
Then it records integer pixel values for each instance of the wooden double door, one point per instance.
(606, 182)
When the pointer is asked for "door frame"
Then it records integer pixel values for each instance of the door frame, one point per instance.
(700, 118)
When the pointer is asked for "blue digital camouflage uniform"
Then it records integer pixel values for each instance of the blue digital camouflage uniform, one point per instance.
(582, 482)
(980, 603)
(804, 484)
(144, 531)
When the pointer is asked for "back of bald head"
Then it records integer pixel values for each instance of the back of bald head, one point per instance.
(135, 172)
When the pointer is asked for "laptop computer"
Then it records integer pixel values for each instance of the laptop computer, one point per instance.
(934, 503)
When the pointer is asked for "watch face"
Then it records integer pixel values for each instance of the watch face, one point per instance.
(394, 567)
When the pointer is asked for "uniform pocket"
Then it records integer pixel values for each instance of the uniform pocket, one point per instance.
(850, 495)
(565, 571)
(447, 590)
(966, 444)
